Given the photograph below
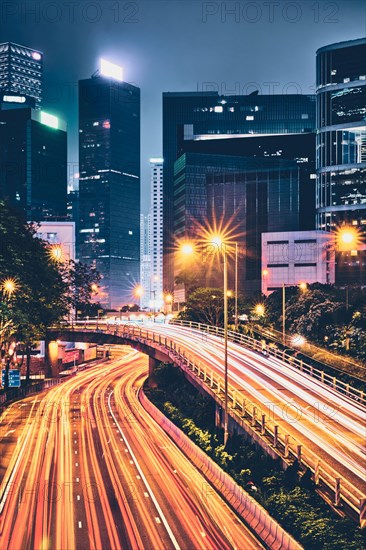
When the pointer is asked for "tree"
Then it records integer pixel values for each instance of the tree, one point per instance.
(206, 305)
(40, 295)
(82, 282)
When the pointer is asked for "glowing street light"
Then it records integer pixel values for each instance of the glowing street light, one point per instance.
(260, 310)
(9, 286)
(218, 242)
(56, 253)
(298, 340)
(139, 291)
(347, 238)
(187, 249)
(303, 286)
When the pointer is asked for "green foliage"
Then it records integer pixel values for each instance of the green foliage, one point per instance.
(324, 314)
(45, 290)
(206, 305)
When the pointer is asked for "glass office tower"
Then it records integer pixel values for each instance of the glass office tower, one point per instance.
(33, 163)
(249, 195)
(108, 230)
(194, 116)
(21, 72)
(341, 145)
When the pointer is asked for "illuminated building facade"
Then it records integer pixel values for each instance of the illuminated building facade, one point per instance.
(341, 146)
(207, 116)
(108, 229)
(145, 259)
(21, 73)
(293, 257)
(250, 195)
(156, 232)
(33, 163)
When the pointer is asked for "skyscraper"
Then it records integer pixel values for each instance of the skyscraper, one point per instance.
(195, 116)
(33, 163)
(248, 196)
(21, 73)
(145, 259)
(341, 143)
(156, 232)
(108, 232)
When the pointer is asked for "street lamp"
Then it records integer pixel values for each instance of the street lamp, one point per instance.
(9, 286)
(259, 310)
(218, 242)
(303, 287)
(140, 291)
(168, 299)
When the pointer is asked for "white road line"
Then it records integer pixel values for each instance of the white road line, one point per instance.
(157, 506)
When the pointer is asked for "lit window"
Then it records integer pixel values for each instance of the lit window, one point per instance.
(304, 116)
(346, 80)
(130, 232)
(219, 109)
(333, 72)
(96, 123)
(249, 117)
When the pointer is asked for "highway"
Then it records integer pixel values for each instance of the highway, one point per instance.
(86, 467)
(329, 427)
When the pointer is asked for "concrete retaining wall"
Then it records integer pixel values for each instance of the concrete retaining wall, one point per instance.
(254, 515)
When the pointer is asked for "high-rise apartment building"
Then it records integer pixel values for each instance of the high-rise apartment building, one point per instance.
(108, 231)
(207, 116)
(33, 163)
(145, 259)
(155, 288)
(341, 145)
(21, 74)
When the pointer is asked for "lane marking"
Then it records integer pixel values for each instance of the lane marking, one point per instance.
(157, 506)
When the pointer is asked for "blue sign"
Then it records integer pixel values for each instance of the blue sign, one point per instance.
(14, 378)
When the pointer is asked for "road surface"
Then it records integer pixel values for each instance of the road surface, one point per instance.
(88, 468)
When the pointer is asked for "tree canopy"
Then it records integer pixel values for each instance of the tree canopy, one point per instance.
(35, 290)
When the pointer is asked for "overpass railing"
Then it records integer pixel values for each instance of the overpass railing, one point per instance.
(333, 382)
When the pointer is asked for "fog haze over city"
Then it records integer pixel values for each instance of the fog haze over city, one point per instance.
(231, 47)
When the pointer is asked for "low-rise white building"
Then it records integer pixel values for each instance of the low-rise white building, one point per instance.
(292, 257)
(60, 235)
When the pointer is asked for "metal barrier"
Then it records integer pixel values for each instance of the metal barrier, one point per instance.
(331, 381)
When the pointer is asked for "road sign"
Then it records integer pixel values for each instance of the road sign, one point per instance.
(14, 378)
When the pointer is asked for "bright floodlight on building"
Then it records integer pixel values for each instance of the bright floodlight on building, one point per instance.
(111, 70)
(49, 120)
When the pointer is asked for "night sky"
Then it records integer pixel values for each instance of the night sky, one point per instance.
(177, 46)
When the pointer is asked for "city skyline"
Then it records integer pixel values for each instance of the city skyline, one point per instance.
(145, 59)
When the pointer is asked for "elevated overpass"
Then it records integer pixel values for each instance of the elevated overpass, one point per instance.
(293, 413)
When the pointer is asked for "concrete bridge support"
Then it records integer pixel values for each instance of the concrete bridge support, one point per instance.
(153, 363)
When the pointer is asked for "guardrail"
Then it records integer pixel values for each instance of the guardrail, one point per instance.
(254, 515)
(331, 381)
(248, 415)
(23, 391)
